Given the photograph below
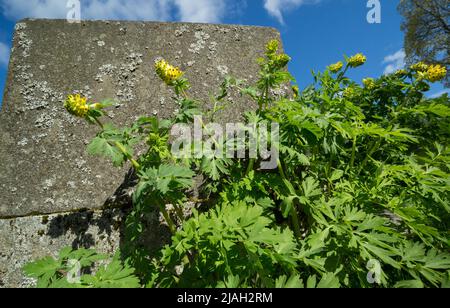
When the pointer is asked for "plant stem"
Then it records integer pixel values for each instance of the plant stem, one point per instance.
(294, 216)
(352, 161)
(128, 156)
(330, 163)
(345, 70)
(372, 150)
(100, 123)
(280, 168)
(250, 166)
(183, 92)
(295, 222)
(121, 148)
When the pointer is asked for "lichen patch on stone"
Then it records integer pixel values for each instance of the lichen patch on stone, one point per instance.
(181, 30)
(200, 44)
(223, 69)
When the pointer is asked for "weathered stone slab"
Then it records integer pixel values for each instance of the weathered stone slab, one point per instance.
(44, 167)
(29, 238)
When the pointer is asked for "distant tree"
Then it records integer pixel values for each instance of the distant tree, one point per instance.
(427, 31)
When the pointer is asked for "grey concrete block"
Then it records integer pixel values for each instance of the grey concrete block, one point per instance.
(53, 194)
(29, 238)
(44, 167)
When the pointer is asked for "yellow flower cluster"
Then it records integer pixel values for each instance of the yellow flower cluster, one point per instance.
(168, 73)
(272, 47)
(436, 73)
(77, 105)
(432, 73)
(349, 92)
(356, 60)
(278, 60)
(369, 83)
(281, 60)
(336, 67)
(419, 67)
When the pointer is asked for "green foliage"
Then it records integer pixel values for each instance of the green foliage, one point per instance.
(67, 271)
(361, 190)
(114, 275)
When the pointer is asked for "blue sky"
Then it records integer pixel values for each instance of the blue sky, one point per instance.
(315, 33)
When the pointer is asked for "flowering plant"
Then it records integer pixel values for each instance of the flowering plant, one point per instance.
(359, 196)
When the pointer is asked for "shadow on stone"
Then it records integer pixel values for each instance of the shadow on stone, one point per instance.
(91, 227)
(83, 225)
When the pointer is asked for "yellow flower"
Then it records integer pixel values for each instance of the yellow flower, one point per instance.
(77, 105)
(281, 60)
(419, 67)
(349, 93)
(336, 67)
(369, 83)
(296, 91)
(356, 60)
(168, 73)
(436, 73)
(272, 47)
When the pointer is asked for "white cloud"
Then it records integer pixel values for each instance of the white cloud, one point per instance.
(394, 62)
(276, 7)
(90, 9)
(126, 9)
(163, 10)
(201, 10)
(33, 8)
(4, 54)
